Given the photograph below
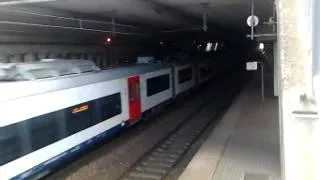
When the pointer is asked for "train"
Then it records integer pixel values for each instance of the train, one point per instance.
(53, 108)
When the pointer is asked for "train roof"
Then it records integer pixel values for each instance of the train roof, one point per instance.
(12, 90)
(46, 68)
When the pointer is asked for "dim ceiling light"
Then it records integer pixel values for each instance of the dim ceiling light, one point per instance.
(216, 46)
(261, 46)
(208, 47)
(14, 2)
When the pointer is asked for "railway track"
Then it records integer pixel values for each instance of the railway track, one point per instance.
(161, 159)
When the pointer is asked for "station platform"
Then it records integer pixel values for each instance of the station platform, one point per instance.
(245, 145)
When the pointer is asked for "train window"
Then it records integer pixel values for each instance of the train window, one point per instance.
(79, 117)
(158, 84)
(27, 136)
(185, 75)
(109, 106)
(45, 129)
(134, 90)
(10, 147)
(22, 138)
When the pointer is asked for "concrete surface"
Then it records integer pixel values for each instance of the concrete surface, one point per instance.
(245, 144)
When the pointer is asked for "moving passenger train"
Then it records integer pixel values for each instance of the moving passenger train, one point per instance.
(53, 108)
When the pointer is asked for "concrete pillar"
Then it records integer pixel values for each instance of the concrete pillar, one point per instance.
(90, 57)
(30, 57)
(104, 59)
(75, 56)
(68, 55)
(42, 55)
(85, 56)
(81, 56)
(59, 55)
(4, 58)
(99, 61)
(276, 70)
(53, 55)
(16, 58)
(298, 128)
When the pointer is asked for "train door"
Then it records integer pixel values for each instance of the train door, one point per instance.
(134, 98)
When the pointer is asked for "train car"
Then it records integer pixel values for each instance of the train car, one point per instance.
(204, 72)
(53, 109)
(184, 77)
(156, 87)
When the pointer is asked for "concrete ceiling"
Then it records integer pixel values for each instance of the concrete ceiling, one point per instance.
(65, 19)
(168, 14)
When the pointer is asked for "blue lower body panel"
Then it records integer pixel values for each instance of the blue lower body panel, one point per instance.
(71, 153)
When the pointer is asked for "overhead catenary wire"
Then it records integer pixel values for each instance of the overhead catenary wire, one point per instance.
(67, 18)
(80, 23)
(67, 27)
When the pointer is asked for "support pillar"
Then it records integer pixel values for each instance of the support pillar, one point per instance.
(298, 123)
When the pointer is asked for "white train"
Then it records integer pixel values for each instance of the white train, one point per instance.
(52, 109)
